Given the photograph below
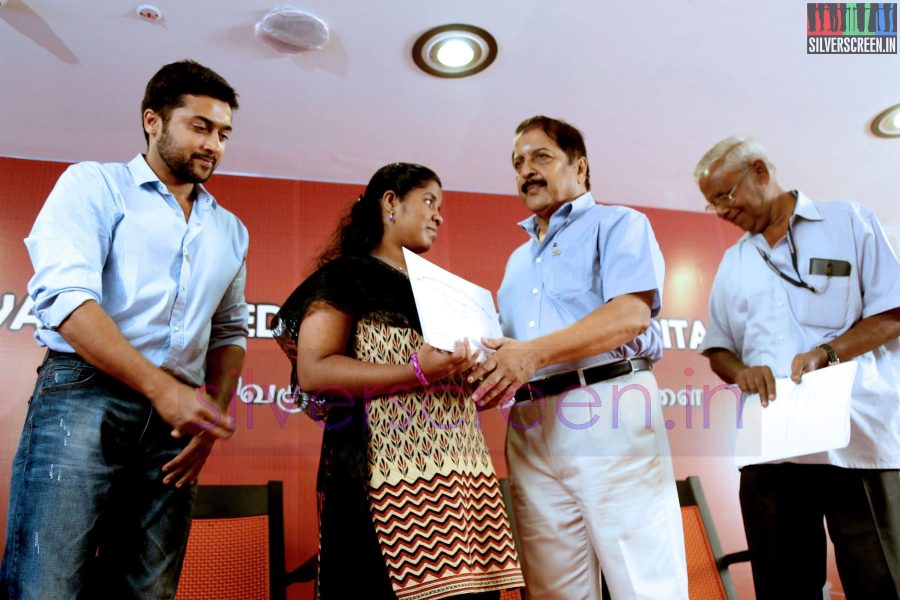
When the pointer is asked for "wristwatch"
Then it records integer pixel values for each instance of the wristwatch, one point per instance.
(832, 355)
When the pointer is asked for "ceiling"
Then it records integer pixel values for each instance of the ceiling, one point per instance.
(652, 84)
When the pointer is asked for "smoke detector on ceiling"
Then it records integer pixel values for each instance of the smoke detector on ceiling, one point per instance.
(148, 12)
(291, 30)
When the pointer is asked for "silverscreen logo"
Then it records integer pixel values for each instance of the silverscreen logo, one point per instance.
(851, 28)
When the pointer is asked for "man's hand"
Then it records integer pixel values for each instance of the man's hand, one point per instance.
(504, 371)
(96, 338)
(806, 362)
(185, 468)
(757, 380)
(203, 416)
(191, 411)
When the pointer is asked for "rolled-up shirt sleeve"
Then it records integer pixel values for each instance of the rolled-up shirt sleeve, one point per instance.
(230, 321)
(69, 243)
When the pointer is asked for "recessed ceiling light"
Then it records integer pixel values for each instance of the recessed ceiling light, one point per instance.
(887, 124)
(455, 53)
(454, 50)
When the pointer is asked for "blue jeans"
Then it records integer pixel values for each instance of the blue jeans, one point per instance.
(89, 516)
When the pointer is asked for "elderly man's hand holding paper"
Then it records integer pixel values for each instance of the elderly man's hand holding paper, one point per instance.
(807, 417)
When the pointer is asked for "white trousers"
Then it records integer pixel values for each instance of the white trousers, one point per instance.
(593, 489)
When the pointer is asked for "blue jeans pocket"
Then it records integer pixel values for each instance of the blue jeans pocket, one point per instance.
(61, 376)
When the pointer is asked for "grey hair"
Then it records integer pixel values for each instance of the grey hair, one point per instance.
(736, 151)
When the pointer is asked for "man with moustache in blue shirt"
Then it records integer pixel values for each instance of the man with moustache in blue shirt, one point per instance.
(589, 461)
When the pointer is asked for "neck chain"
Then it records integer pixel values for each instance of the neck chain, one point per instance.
(392, 265)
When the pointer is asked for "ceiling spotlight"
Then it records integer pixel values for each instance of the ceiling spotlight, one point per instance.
(292, 30)
(455, 53)
(887, 124)
(454, 50)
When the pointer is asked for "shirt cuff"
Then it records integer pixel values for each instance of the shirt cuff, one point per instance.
(870, 309)
(60, 307)
(713, 341)
(238, 340)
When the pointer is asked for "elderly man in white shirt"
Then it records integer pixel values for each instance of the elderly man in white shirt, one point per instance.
(809, 285)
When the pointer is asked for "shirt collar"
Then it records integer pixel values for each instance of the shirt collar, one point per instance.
(570, 210)
(143, 174)
(806, 209)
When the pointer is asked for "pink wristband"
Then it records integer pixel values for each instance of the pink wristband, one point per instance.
(414, 361)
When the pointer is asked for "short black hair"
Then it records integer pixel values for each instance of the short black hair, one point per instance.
(166, 90)
(568, 138)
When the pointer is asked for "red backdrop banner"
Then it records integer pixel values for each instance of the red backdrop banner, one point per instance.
(289, 222)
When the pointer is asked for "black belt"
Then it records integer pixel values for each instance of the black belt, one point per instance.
(556, 384)
(54, 354)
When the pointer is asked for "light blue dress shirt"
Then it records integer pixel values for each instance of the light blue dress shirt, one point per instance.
(590, 255)
(765, 320)
(114, 233)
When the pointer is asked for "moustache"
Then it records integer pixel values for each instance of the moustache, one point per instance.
(535, 181)
(208, 157)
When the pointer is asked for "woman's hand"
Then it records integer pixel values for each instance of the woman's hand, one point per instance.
(438, 364)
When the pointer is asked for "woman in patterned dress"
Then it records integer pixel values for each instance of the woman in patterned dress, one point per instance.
(409, 504)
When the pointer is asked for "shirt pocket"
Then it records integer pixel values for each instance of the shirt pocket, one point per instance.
(568, 275)
(829, 307)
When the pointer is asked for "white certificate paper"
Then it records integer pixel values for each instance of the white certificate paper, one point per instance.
(806, 417)
(451, 308)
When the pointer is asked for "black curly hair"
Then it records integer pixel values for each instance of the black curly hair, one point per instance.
(362, 229)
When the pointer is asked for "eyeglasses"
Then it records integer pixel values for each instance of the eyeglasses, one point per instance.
(724, 202)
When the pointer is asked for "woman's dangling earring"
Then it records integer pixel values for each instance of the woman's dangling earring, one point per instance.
(390, 217)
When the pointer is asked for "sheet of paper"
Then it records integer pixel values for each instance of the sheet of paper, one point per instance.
(806, 417)
(451, 308)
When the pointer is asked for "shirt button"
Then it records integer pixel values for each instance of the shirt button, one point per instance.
(534, 290)
(176, 329)
(538, 260)
(531, 323)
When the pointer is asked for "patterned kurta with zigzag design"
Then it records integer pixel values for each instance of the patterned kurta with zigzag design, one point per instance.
(438, 511)
(405, 475)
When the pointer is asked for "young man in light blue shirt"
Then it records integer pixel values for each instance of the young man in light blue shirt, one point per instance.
(589, 461)
(139, 289)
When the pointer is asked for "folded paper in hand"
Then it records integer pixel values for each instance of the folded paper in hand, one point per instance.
(451, 308)
(805, 418)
